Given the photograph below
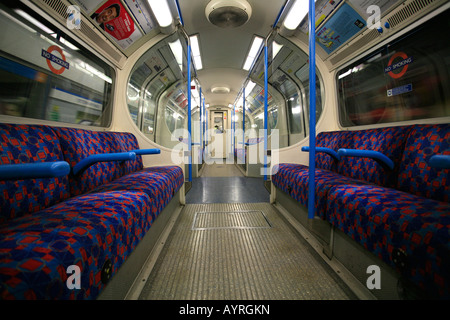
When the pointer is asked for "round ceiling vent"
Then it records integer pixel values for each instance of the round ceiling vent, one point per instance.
(228, 13)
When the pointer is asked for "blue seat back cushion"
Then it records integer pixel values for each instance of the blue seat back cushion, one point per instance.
(416, 176)
(29, 144)
(333, 140)
(128, 142)
(78, 144)
(388, 141)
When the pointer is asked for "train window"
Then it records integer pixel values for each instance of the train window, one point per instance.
(406, 79)
(156, 94)
(46, 75)
(255, 106)
(289, 75)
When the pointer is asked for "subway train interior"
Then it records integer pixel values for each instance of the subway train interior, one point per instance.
(225, 150)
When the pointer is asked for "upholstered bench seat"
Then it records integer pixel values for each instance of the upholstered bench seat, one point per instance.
(401, 212)
(93, 217)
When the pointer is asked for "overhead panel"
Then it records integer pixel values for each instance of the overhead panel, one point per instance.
(346, 27)
(125, 22)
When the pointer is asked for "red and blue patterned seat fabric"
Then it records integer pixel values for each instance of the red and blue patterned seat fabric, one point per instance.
(29, 144)
(87, 220)
(406, 209)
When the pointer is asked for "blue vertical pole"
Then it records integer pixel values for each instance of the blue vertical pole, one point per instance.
(189, 110)
(201, 127)
(233, 130)
(243, 122)
(206, 129)
(312, 111)
(266, 95)
(204, 124)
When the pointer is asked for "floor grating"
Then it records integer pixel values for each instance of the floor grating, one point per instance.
(230, 220)
(204, 259)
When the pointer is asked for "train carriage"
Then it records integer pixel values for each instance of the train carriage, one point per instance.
(224, 150)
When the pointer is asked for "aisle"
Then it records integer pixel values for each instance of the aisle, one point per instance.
(224, 183)
(239, 251)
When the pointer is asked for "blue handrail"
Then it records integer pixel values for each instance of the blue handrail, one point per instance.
(440, 161)
(179, 12)
(105, 157)
(378, 156)
(329, 151)
(36, 170)
(141, 152)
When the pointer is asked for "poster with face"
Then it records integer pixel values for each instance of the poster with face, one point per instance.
(114, 19)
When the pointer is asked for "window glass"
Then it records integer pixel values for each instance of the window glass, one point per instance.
(407, 79)
(289, 75)
(46, 75)
(255, 106)
(157, 92)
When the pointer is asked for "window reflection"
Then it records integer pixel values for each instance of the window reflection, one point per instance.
(404, 80)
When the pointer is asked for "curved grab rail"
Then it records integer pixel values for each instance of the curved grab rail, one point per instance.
(378, 156)
(141, 152)
(36, 170)
(440, 161)
(329, 151)
(105, 157)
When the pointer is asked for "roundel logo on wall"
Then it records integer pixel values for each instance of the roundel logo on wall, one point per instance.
(56, 60)
(398, 65)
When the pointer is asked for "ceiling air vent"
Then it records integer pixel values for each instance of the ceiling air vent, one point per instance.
(228, 13)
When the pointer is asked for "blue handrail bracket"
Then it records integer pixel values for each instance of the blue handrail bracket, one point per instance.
(440, 161)
(329, 151)
(105, 157)
(141, 152)
(375, 155)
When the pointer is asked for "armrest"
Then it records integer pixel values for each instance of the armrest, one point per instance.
(36, 170)
(329, 151)
(141, 152)
(105, 157)
(440, 161)
(378, 156)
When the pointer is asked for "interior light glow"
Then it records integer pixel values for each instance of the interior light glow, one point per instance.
(25, 15)
(195, 47)
(257, 42)
(296, 14)
(177, 51)
(296, 110)
(162, 12)
(249, 87)
(276, 47)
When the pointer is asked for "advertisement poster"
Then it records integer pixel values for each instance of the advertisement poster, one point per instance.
(323, 10)
(342, 26)
(141, 12)
(114, 19)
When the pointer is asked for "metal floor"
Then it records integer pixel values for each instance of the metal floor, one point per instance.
(225, 183)
(238, 252)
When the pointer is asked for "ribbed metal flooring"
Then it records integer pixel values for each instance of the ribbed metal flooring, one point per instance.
(239, 252)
